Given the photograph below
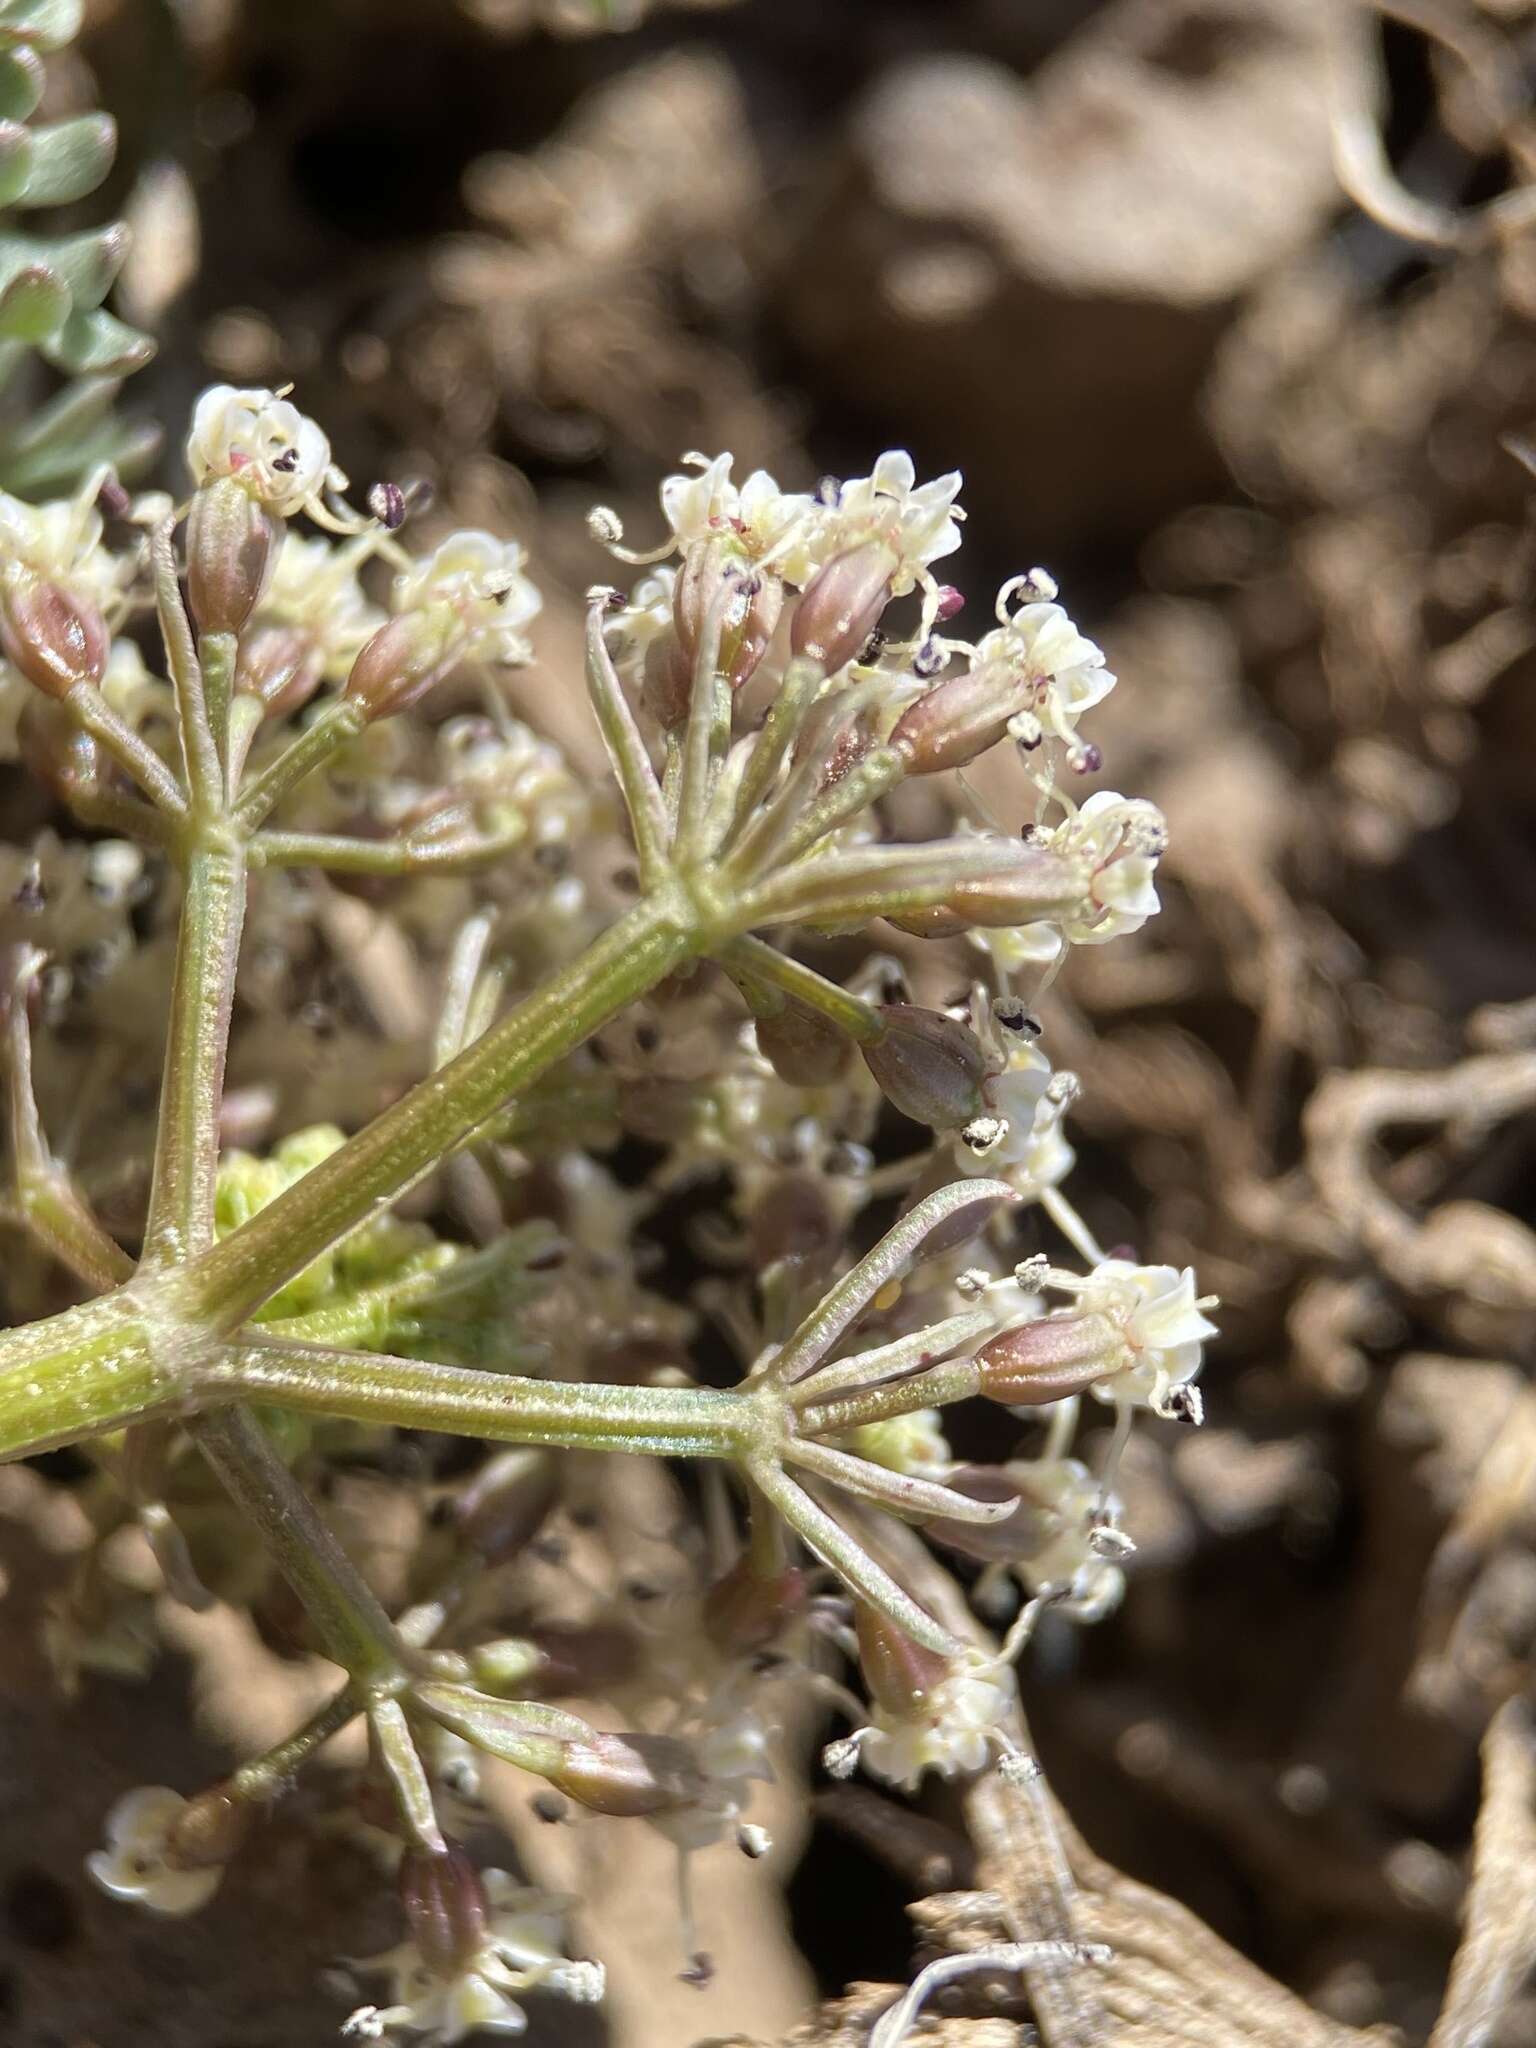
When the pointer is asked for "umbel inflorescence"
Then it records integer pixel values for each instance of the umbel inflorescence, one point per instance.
(783, 666)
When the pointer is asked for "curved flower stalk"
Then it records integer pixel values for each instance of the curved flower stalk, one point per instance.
(286, 1282)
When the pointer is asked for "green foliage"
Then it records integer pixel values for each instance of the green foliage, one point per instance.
(53, 286)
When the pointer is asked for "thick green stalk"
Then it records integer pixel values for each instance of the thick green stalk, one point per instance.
(230, 1282)
(91, 1369)
(366, 1386)
(187, 1138)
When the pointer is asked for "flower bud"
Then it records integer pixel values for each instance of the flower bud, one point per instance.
(961, 717)
(745, 1611)
(55, 750)
(715, 571)
(281, 666)
(792, 1219)
(901, 1675)
(1047, 1359)
(803, 1048)
(930, 1066)
(404, 659)
(207, 1831)
(1029, 882)
(53, 637)
(445, 1907)
(232, 544)
(666, 682)
(628, 1775)
(506, 1503)
(842, 605)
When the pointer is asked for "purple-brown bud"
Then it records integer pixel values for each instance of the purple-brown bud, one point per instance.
(842, 605)
(803, 1048)
(1045, 1360)
(666, 682)
(232, 544)
(445, 1907)
(930, 1066)
(791, 1219)
(208, 1830)
(281, 666)
(628, 1775)
(960, 718)
(744, 1611)
(901, 1675)
(716, 571)
(56, 639)
(406, 658)
(506, 1503)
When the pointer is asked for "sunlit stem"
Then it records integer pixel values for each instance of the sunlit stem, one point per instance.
(135, 756)
(626, 752)
(216, 656)
(841, 1306)
(903, 1492)
(832, 1543)
(199, 753)
(802, 680)
(707, 732)
(443, 1111)
(938, 1388)
(187, 1135)
(867, 780)
(369, 1386)
(327, 732)
(346, 856)
(1071, 1225)
(757, 961)
(267, 1777)
(851, 888)
(902, 1355)
(353, 1626)
(395, 1747)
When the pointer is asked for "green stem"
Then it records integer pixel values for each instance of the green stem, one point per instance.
(230, 1282)
(369, 1386)
(353, 1626)
(756, 960)
(187, 1138)
(330, 729)
(200, 755)
(268, 1776)
(346, 856)
(138, 759)
(216, 652)
(91, 1369)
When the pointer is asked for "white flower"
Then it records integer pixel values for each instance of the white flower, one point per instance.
(482, 579)
(1032, 1152)
(315, 587)
(952, 1734)
(1162, 1322)
(920, 522)
(1066, 1564)
(763, 517)
(278, 453)
(731, 1750)
(1120, 839)
(1069, 670)
(61, 542)
(523, 1948)
(133, 1865)
(645, 618)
